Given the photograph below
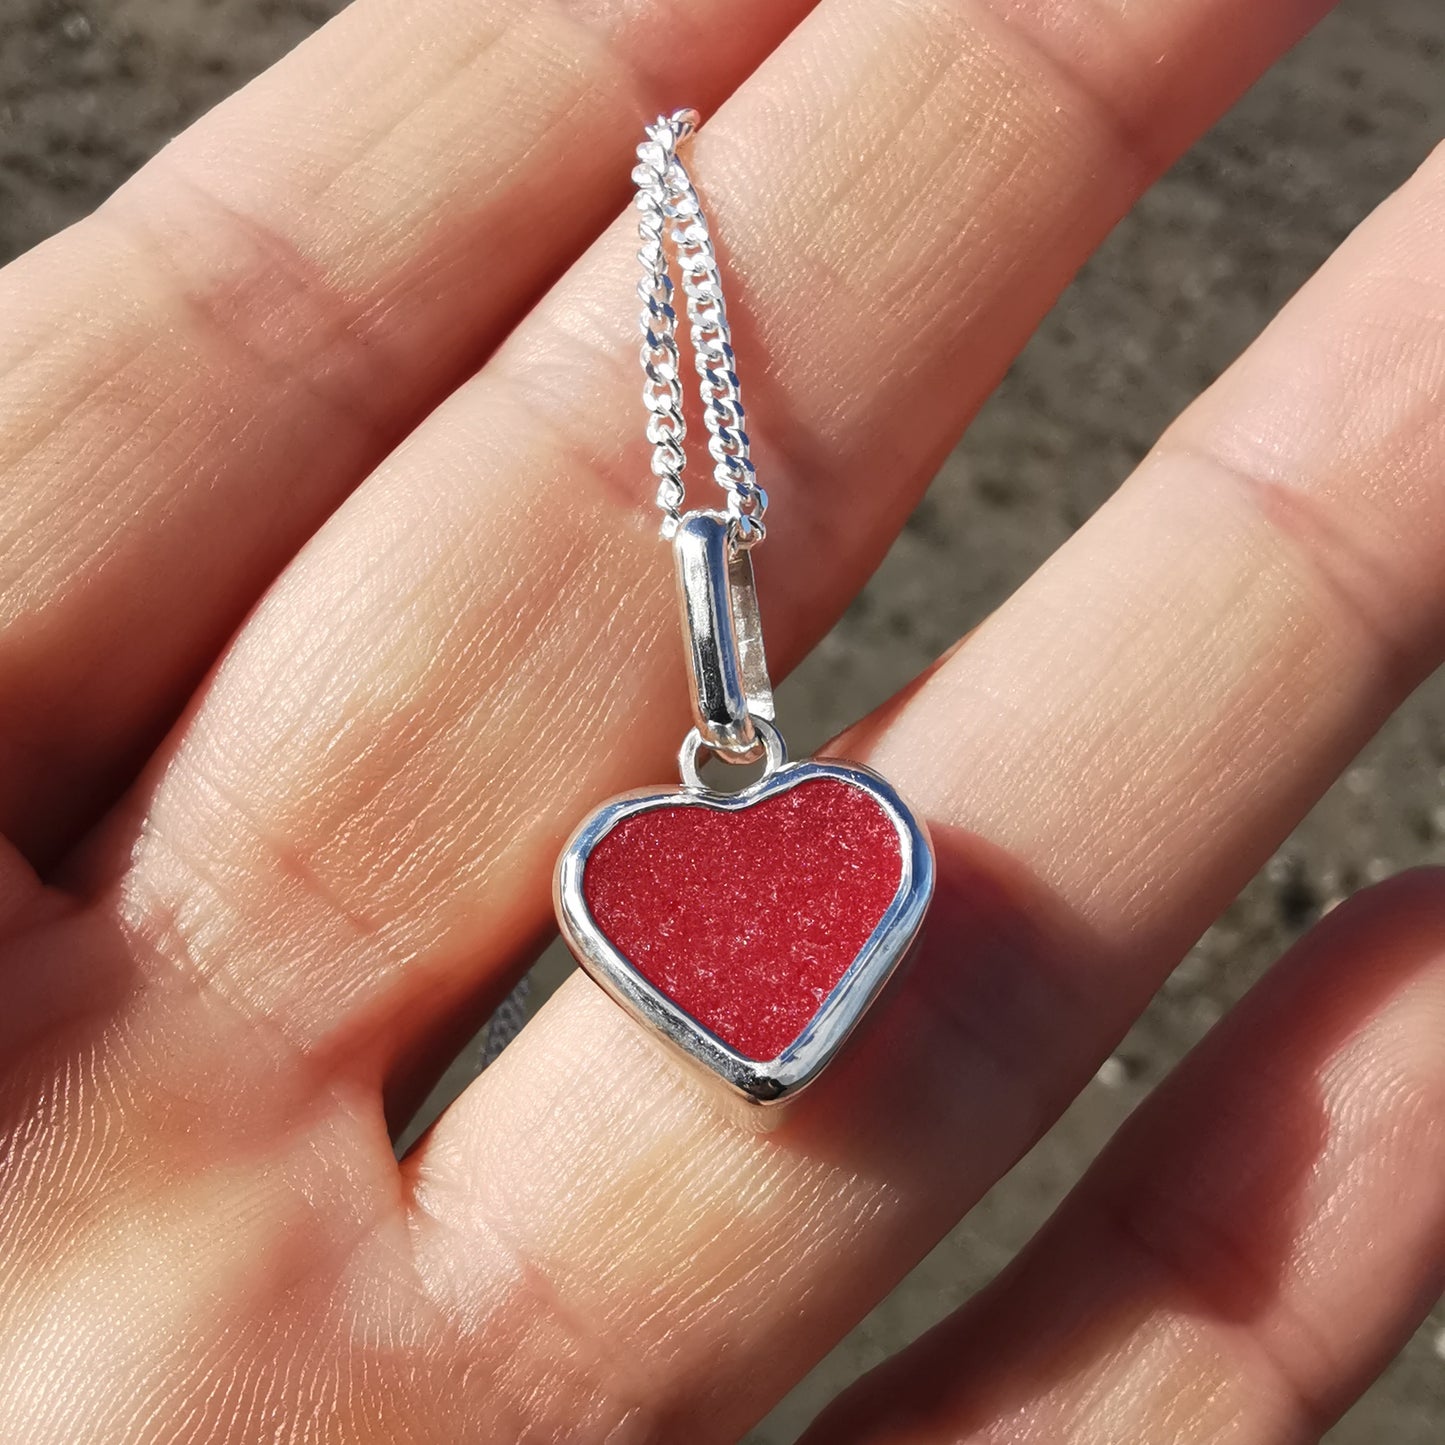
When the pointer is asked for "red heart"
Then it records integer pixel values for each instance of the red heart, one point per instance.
(747, 918)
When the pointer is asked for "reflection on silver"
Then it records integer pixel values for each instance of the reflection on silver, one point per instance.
(805, 1058)
(670, 214)
(720, 620)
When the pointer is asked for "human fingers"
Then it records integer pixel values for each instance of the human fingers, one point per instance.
(1105, 762)
(1253, 1247)
(357, 829)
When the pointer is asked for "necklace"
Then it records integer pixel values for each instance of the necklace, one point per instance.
(749, 930)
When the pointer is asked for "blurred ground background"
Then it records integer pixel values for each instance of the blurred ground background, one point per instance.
(88, 90)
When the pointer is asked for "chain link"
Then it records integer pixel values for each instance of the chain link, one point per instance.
(670, 213)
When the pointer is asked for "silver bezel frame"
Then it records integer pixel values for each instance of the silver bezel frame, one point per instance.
(806, 1057)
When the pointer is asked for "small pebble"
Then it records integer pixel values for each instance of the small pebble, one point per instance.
(1360, 780)
(1282, 867)
(1113, 1073)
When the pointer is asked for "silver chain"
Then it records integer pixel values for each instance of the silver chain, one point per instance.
(670, 212)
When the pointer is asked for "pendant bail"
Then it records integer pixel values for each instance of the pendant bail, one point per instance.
(725, 660)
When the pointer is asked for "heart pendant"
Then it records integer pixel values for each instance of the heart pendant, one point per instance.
(751, 930)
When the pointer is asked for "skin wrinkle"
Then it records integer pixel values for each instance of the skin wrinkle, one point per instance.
(605, 1358)
(472, 46)
(1308, 1413)
(618, 1270)
(94, 1236)
(33, 576)
(147, 922)
(381, 664)
(519, 1288)
(1075, 33)
(608, 472)
(276, 356)
(1346, 572)
(1334, 413)
(1136, 142)
(50, 1178)
(779, 425)
(761, 406)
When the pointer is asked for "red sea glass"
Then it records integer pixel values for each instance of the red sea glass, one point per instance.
(746, 919)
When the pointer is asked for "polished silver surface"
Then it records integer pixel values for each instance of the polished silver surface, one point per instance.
(805, 1058)
(670, 215)
(725, 660)
(696, 750)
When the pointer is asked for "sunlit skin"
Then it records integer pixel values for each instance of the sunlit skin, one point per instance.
(325, 517)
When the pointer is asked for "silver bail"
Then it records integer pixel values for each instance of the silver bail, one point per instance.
(725, 661)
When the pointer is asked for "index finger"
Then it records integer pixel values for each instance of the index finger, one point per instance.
(193, 378)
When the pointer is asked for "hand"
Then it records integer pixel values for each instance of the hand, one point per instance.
(344, 370)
